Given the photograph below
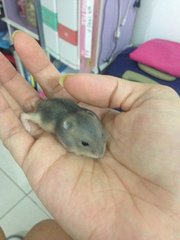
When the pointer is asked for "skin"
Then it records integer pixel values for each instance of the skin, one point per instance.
(134, 191)
(44, 230)
(2, 236)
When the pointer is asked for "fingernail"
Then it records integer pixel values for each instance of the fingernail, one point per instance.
(14, 33)
(63, 78)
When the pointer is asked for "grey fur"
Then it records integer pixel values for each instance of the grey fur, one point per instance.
(78, 129)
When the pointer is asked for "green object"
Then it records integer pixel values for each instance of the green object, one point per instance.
(49, 18)
(155, 73)
(30, 12)
(136, 77)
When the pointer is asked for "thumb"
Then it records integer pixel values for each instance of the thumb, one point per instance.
(103, 91)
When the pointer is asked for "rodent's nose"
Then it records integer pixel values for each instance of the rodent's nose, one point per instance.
(100, 153)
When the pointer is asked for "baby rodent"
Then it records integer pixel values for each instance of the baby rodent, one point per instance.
(78, 129)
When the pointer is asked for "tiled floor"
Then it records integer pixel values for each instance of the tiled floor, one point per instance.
(20, 208)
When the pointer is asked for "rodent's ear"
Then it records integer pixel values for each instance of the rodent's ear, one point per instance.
(67, 124)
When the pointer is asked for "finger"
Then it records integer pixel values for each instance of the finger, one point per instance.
(38, 64)
(15, 84)
(17, 110)
(104, 91)
(10, 101)
(13, 135)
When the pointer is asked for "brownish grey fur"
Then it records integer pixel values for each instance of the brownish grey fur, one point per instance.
(78, 129)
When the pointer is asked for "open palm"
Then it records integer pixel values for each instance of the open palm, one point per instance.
(134, 191)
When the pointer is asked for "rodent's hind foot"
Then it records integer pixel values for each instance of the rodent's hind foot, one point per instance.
(24, 117)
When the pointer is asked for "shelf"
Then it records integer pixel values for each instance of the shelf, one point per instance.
(20, 27)
(13, 18)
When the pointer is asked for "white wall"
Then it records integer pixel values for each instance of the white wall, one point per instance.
(157, 19)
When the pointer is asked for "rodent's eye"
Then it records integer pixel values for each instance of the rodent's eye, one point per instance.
(84, 143)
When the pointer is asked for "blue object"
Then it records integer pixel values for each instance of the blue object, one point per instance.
(4, 40)
(123, 63)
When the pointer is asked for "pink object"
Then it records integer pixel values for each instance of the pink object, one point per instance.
(42, 95)
(83, 28)
(22, 8)
(160, 54)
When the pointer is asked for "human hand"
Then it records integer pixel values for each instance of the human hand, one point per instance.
(134, 191)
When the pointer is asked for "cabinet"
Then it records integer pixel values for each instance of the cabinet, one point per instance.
(15, 21)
